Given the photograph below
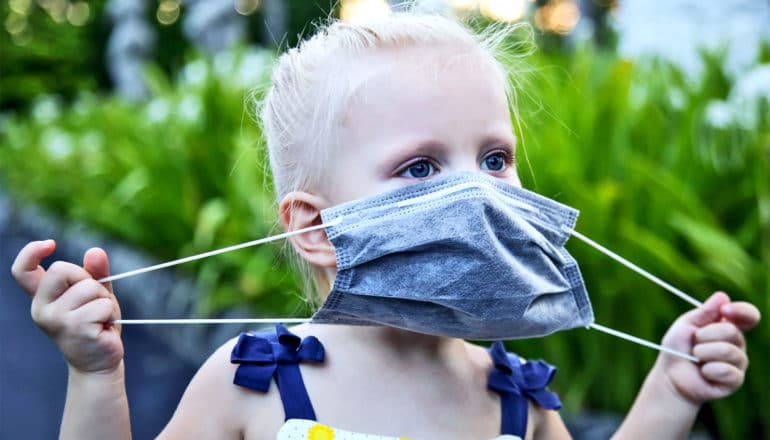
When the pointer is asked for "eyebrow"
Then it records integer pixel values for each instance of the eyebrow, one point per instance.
(502, 142)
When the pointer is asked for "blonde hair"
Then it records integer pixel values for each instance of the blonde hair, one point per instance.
(304, 103)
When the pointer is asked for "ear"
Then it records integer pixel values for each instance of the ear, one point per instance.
(300, 210)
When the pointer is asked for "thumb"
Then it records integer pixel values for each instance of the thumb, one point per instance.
(709, 312)
(96, 263)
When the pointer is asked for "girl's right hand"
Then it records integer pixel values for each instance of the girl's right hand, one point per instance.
(74, 309)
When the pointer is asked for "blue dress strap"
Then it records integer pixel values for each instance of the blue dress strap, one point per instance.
(267, 356)
(517, 382)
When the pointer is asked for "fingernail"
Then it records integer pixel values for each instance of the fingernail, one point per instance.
(727, 309)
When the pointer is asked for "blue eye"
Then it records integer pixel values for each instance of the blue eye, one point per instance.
(419, 170)
(494, 162)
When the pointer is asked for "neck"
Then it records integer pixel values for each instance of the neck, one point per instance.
(405, 345)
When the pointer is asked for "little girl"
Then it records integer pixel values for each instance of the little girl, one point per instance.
(403, 127)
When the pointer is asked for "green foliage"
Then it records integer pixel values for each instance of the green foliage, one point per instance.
(46, 54)
(633, 146)
(179, 175)
(43, 53)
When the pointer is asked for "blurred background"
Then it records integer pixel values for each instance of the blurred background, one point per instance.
(125, 124)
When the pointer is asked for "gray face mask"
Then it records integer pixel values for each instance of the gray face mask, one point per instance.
(465, 255)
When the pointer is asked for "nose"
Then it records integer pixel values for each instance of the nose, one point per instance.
(463, 163)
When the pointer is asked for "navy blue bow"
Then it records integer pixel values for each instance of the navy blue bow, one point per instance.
(261, 359)
(517, 382)
(528, 379)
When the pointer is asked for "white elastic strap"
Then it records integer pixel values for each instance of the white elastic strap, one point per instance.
(634, 267)
(336, 221)
(213, 321)
(640, 341)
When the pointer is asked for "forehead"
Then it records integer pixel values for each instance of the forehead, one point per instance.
(446, 92)
(387, 77)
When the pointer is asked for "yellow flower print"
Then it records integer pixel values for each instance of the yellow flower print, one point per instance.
(320, 432)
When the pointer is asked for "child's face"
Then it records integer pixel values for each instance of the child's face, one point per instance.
(416, 118)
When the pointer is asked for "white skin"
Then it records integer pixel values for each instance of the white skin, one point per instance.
(406, 124)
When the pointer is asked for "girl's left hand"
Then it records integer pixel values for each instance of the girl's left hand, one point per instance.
(714, 334)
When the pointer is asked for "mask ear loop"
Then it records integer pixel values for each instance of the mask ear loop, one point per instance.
(641, 341)
(334, 222)
(650, 277)
(213, 321)
(131, 273)
(633, 267)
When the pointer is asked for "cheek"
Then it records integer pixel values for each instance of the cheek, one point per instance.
(513, 178)
(349, 182)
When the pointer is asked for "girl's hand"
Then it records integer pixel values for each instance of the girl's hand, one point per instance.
(714, 334)
(74, 309)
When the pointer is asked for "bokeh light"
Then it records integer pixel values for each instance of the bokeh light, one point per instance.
(559, 16)
(168, 12)
(247, 7)
(57, 10)
(503, 10)
(361, 11)
(21, 7)
(78, 13)
(15, 23)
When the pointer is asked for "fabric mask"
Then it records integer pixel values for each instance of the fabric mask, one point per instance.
(465, 255)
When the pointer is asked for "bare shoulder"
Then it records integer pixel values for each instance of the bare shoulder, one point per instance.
(214, 407)
(479, 356)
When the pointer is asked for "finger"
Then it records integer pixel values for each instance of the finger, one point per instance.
(26, 267)
(720, 331)
(721, 352)
(117, 308)
(742, 314)
(723, 374)
(82, 292)
(60, 276)
(101, 311)
(708, 312)
(96, 262)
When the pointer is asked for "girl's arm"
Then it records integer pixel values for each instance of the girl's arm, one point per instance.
(76, 311)
(674, 390)
(96, 406)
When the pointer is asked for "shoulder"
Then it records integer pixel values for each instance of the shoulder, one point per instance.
(213, 407)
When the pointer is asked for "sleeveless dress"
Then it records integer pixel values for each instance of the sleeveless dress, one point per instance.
(264, 357)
